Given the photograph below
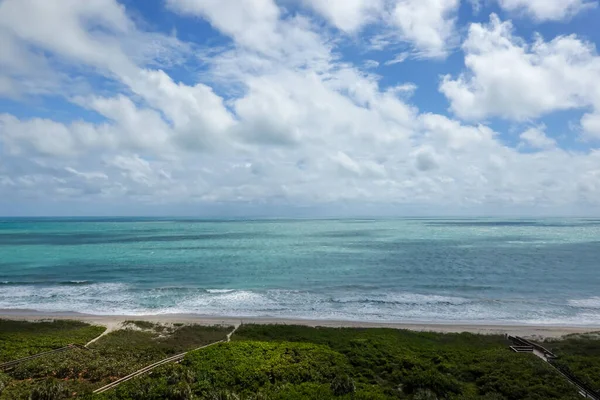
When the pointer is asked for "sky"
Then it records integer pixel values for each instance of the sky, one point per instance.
(299, 107)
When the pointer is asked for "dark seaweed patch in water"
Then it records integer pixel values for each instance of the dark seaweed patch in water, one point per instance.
(459, 287)
(348, 234)
(483, 223)
(98, 238)
(207, 248)
(409, 244)
(441, 301)
(547, 224)
(47, 283)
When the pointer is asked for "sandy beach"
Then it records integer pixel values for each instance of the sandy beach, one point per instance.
(114, 321)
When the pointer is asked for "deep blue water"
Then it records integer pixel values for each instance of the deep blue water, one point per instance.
(467, 270)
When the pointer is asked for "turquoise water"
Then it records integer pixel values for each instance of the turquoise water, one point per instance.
(471, 270)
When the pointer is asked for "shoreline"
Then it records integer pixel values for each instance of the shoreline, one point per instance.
(113, 321)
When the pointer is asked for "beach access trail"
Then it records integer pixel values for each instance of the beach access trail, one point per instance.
(111, 326)
(175, 358)
(522, 345)
(14, 363)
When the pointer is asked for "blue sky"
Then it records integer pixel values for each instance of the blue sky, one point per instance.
(299, 107)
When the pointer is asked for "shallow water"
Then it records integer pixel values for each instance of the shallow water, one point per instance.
(544, 271)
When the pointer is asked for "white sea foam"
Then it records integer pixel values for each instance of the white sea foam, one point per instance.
(122, 299)
(591, 302)
(220, 290)
(579, 319)
(101, 298)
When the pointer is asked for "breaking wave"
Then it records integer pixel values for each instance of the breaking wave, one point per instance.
(123, 299)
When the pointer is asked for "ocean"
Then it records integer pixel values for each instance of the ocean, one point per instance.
(505, 271)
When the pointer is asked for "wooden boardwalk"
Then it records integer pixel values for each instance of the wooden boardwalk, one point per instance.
(175, 358)
(14, 363)
(149, 368)
(112, 385)
(521, 345)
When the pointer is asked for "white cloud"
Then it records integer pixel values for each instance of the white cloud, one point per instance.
(537, 139)
(548, 10)
(591, 125)
(252, 23)
(63, 28)
(137, 128)
(360, 168)
(49, 138)
(369, 64)
(511, 79)
(198, 115)
(425, 158)
(348, 15)
(299, 124)
(400, 58)
(428, 24)
(87, 175)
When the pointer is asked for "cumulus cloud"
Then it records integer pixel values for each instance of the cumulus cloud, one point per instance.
(512, 79)
(277, 115)
(537, 139)
(251, 22)
(548, 10)
(64, 29)
(591, 125)
(348, 15)
(425, 159)
(429, 24)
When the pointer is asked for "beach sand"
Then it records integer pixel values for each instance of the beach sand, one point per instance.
(114, 321)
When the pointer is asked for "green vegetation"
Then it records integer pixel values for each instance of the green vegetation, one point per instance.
(406, 364)
(250, 370)
(20, 339)
(77, 372)
(580, 355)
(143, 325)
(293, 362)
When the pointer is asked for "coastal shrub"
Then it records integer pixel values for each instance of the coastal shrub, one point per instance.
(181, 391)
(247, 366)
(406, 363)
(114, 355)
(144, 325)
(425, 394)
(4, 380)
(360, 364)
(297, 362)
(342, 385)
(49, 390)
(20, 339)
(580, 355)
(248, 370)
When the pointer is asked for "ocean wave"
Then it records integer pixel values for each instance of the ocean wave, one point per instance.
(403, 299)
(46, 283)
(390, 306)
(217, 291)
(96, 298)
(75, 282)
(591, 302)
(579, 319)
